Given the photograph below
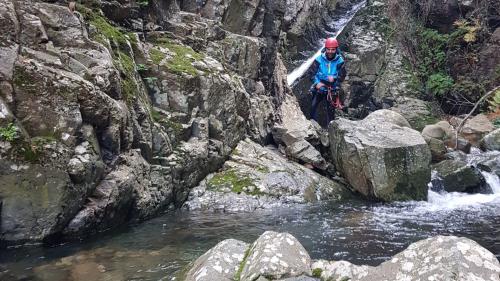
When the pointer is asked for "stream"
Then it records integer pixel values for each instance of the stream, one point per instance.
(359, 232)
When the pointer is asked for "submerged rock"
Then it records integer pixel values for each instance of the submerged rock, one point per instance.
(380, 159)
(259, 177)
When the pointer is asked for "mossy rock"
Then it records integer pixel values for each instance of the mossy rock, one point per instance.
(231, 180)
(181, 60)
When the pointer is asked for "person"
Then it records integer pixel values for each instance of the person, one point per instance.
(199, 6)
(327, 70)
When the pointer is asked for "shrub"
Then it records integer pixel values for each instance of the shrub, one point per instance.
(439, 84)
(8, 133)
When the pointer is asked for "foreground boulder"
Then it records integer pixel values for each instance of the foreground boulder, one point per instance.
(260, 177)
(279, 256)
(381, 157)
(220, 263)
(272, 256)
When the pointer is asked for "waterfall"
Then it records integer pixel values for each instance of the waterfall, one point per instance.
(337, 25)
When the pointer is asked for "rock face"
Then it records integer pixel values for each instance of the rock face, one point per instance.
(279, 256)
(381, 159)
(258, 177)
(119, 119)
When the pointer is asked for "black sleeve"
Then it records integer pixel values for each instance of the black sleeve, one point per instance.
(342, 71)
(313, 69)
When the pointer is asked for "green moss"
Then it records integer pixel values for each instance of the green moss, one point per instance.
(423, 121)
(156, 115)
(345, 279)
(237, 183)
(128, 83)
(237, 276)
(105, 30)
(156, 56)
(182, 59)
(317, 272)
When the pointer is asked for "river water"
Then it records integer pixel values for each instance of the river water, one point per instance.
(359, 232)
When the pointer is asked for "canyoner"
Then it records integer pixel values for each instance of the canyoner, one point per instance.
(327, 72)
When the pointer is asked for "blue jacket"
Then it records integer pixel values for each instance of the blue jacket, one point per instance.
(322, 68)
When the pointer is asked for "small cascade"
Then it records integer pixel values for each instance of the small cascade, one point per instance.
(438, 199)
(338, 25)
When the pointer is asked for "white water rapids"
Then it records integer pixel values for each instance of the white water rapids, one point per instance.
(337, 25)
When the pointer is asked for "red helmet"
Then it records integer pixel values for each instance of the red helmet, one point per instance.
(331, 43)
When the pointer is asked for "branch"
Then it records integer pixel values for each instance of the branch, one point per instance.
(459, 129)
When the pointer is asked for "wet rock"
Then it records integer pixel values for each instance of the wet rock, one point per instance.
(275, 255)
(491, 141)
(221, 263)
(381, 160)
(457, 176)
(39, 207)
(258, 177)
(108, 206)
(439, 258)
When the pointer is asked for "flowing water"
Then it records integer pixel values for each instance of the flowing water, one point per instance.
(360, 232)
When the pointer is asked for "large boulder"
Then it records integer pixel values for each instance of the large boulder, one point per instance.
(381, 160)
(273, 256)
(221, 263)
(259, 177)
(439, 258)
(436, 258)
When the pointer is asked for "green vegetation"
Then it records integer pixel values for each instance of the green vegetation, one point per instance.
(237, 277)
(157, 117)
(119, 48)
(143, 3)
(141, 67)
(496, 122)
(237, 183)
(182, 59)
(104, 29)
(317, 272)
(494, 102)
(156, 56)
(126, 66)
(9, 132)
(439, 84)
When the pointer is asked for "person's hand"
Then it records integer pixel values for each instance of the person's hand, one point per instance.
(319, 85)
(331, 78)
